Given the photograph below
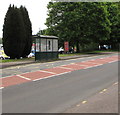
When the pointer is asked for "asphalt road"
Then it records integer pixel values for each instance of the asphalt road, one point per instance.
(106, 101)
(57, 94)
(40, 66)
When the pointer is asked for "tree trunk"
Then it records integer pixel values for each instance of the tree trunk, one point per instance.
(77, 46)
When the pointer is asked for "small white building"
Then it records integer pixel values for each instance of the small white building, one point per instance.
(46, 47)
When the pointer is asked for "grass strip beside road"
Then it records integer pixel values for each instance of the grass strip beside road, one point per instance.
(17, 60)
(89, 52)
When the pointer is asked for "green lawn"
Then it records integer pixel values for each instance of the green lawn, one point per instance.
(90, 52)
(17, 60)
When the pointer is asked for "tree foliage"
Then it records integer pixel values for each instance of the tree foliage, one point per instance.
(28, 31)
(114, 17)
(80, 23)
(15, 33)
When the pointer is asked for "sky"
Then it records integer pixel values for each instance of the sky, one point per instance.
(37, 10)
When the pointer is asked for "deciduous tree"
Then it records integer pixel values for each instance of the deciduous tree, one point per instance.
(79, 23)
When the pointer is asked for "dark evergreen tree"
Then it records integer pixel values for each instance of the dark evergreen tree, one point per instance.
(13, 33)
(28, 31)
(17, 32)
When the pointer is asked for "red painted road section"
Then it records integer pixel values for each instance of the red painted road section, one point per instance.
(58, 70)
(74, 66)
(13, 80)
(36, 75)
(88, 64)
(100, 61)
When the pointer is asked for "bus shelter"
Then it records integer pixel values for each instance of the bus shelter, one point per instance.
(46, 47)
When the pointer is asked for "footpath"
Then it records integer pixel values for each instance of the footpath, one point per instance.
(16, 63)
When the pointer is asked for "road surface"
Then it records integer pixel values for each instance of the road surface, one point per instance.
(61, 90)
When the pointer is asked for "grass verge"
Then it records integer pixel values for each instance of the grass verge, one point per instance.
(17, 60)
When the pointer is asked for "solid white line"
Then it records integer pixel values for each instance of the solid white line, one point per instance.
(7, 77)
(47, 71)
(82, 65)
(44, 78)
(97, 65)
(50, 76)
(88, 67)
(63, 73)
(66, 68)
(23, 77)
(112, 61)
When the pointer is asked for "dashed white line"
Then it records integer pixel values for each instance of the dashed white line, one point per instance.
(115, 83)
(83, 102)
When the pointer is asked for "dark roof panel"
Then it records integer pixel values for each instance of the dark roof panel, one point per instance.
(45, 36)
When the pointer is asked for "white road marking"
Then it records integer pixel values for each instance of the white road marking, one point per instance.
(88, 67)
(112, 61)
(81, 65)
(63, 73)
(44, 78)
(97, 65)
(51, 76)
(60, 67)
(23, 77)
(115, 83)
(103, 90)
(7, 77)
(78, 105)
(83, 102)
(47, 71)
(65, 68)
(1, 87)
(72, 63)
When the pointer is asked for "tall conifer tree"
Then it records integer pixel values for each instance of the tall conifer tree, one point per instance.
(13, 33)
(28, 31)
(17, 32)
